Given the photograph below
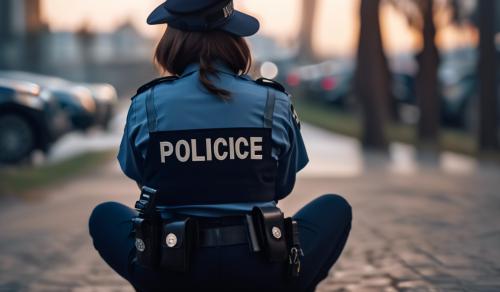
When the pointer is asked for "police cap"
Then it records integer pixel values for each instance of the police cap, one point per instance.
(204, 15)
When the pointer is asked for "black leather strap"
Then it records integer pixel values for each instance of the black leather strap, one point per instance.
(150, 110)
(223, 236)
(269, 110)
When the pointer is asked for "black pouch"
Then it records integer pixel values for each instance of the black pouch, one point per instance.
(269, 224)
(146, 241)
(178, 238)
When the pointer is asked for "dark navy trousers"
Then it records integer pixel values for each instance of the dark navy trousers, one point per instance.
(324, 226)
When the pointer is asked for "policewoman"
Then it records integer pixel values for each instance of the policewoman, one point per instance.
(213, 151)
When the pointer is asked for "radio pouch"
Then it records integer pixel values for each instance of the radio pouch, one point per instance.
(146, 242)
(269, 225)
(177, 241)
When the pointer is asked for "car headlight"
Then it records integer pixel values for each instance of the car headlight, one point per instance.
(106, 93)
(85, 98)
(87, 102)
(46, 96)
(30, 100)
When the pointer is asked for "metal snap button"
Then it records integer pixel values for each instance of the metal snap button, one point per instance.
(171, 240)
(140, 245)
(276, 232)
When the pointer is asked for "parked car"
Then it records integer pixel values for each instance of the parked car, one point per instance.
(458, 87)
(330, 81)
(30, 118)
(455, 93)
(87, 104)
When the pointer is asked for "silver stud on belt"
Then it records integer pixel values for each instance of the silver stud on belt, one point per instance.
(276, 232)
(171, 240)
(140, 245)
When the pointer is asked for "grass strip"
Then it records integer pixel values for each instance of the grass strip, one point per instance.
(20, 179)
(338, 121)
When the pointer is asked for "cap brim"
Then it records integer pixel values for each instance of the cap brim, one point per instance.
(241, 24)
(159, 15)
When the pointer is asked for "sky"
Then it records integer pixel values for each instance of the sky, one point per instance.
(336, 24)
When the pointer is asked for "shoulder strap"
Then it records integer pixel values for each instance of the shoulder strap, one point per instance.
(151, 110)
(271, 83)
(269, 110)
(154, 82)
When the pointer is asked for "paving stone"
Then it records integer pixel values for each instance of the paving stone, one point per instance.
(376, 282)
(414, 285)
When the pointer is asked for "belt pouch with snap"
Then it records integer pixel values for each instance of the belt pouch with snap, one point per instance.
(146, 241)
(269, 223)
(177, 241)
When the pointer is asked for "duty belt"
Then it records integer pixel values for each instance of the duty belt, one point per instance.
(223, 236)
(167, 243)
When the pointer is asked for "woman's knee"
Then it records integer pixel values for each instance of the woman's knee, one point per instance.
(100, 214)
(327, 208)
(336, 203)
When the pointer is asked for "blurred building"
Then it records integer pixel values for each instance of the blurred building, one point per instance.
(18, 17)
(20, 24)
(27, 44)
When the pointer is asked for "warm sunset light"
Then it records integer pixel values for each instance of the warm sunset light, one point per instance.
(343, 145)
(336, 25)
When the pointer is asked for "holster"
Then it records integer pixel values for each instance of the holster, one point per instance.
(270, 228)
(178, 238)
(165, 244)
(147, 241)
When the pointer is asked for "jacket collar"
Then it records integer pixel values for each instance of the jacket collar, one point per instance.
(219, 66)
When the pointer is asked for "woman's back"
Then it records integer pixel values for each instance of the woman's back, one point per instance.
(213, 152)
(183, 104)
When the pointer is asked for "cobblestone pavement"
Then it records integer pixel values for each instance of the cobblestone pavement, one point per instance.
(422, 231)
(425, 232)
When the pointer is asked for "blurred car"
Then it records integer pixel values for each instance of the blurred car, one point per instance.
(455, 98)
(403, 90)
(30, 118)
(87, 104)
(330, 81)
(106, 99)
(456, 94)
(458, 86)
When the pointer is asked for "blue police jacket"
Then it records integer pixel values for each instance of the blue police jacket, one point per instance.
(184, 104)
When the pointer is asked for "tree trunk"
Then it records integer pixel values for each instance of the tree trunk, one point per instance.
(6, 35)
(306, 52)
(372, 77)
(488, 99)
(427, 80)
(33, 38)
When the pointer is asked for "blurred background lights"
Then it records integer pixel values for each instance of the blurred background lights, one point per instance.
(269, 70)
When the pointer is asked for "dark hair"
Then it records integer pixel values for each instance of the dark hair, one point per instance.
(177, 49)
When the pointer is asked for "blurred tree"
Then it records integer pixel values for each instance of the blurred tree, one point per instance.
(420, 15)
(306, 52)
(86, 39)
(427, 77)
(6, 34)
(488, 99)
(33, 35)
(372, 77)
(21, 27)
